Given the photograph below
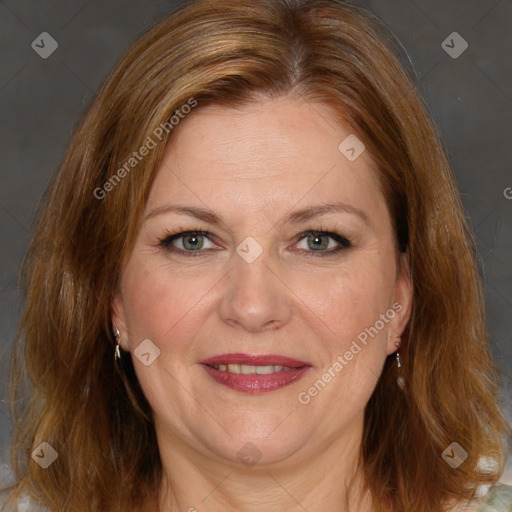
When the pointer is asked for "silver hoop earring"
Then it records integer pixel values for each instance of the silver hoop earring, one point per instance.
(117, 353)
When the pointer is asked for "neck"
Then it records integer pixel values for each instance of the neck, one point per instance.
(328, 479)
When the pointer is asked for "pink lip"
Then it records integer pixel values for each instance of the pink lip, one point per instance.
(255, 383)
(268, 360)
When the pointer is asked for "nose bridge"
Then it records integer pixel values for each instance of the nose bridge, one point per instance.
(254, 298)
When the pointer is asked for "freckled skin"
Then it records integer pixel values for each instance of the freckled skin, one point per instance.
(252, 167)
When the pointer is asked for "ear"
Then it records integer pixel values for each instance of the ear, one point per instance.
(117, 313)
(402, 301)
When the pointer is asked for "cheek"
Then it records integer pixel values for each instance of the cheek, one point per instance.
(345, 302)
(167, 307)
(163, 305)
(352, 338)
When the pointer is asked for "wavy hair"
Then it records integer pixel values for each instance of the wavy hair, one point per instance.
(66, 389)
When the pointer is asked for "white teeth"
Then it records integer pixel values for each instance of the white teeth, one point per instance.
(266, 370)
(248, 369)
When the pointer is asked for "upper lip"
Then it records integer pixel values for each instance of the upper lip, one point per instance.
(255, 360)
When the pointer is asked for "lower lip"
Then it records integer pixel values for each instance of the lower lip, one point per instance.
(255, 383)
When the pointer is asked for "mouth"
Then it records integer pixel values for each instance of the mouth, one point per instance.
(248, 369)
(255, 374)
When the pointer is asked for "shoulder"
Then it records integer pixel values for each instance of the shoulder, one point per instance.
(497, 499)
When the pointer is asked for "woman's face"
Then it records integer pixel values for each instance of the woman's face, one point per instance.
(256, 284)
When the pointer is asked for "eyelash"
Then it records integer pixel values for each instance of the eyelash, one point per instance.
(168, 238)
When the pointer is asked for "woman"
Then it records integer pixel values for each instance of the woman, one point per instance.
(252, 286)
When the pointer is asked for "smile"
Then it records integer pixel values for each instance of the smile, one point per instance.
(254, 374)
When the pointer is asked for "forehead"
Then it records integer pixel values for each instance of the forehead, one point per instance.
(269, 154)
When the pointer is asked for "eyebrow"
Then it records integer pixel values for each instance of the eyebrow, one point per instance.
(295, 217)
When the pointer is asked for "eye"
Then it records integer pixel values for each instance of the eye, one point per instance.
(323, 243)
(187, 241)
(194, 243)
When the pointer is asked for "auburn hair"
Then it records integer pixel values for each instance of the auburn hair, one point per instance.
(66, 389)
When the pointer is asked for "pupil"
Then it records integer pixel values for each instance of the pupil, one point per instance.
(317, 243)
(194, 243)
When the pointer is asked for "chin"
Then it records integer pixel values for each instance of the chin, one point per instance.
(257, 446)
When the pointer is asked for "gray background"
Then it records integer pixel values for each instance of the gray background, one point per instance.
(41, 101)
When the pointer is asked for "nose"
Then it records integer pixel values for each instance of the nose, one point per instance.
(255, 298)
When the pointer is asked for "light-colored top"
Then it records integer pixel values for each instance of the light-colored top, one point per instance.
(497, 499)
